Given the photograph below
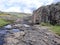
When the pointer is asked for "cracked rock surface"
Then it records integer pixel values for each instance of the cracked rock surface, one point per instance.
(33, 35)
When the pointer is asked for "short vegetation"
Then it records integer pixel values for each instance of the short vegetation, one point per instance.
(10, 17)
(45, 24)
(3, 22)
(54, 28)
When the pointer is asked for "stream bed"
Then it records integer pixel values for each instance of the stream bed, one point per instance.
(28, 35)
(8, 29)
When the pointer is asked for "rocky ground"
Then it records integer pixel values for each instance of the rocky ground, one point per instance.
(20, 33)
(29, 35)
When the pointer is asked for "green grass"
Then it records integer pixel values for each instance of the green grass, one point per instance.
(3, 22)
(20, 16)
(45, 24)
(56, 29)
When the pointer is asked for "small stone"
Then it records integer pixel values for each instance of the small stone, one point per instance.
(26, 25)
(46, 36)
(22, 33)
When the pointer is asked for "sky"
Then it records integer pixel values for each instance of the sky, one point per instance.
(26, 6)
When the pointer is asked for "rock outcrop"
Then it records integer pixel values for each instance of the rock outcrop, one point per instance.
(49, 13)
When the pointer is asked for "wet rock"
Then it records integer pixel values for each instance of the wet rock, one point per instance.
(14, 30)
(26, 25)
(21, 25)
(8, 27)
(3, 31)
(17, 25)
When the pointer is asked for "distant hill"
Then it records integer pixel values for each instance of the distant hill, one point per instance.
(14, 13)
(13, 16)
(17, 14)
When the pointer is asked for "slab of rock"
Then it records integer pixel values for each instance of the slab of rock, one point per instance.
(14, 38)
(11, 41)
(19, 34)
(26, 25)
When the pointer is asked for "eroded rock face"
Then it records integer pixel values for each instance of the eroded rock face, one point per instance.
(49, 13)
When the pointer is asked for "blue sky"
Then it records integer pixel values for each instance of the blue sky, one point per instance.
(26, 6)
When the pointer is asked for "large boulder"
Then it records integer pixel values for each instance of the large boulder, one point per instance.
(49, 13)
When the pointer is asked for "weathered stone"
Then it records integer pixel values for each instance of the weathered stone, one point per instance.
(11, 41)
(19, 34)
(17, 25)
(49, 13)
(26, 25)
(8, 27)
(39, 36)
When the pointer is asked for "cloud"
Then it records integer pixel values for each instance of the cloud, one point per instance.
(27, 10)
(13, 9)
(55, 1)
(26, 6)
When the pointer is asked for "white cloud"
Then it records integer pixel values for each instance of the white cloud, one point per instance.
(1, 5)
(13, 9)
(22, 5)
(18, 9)
(26, 10)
